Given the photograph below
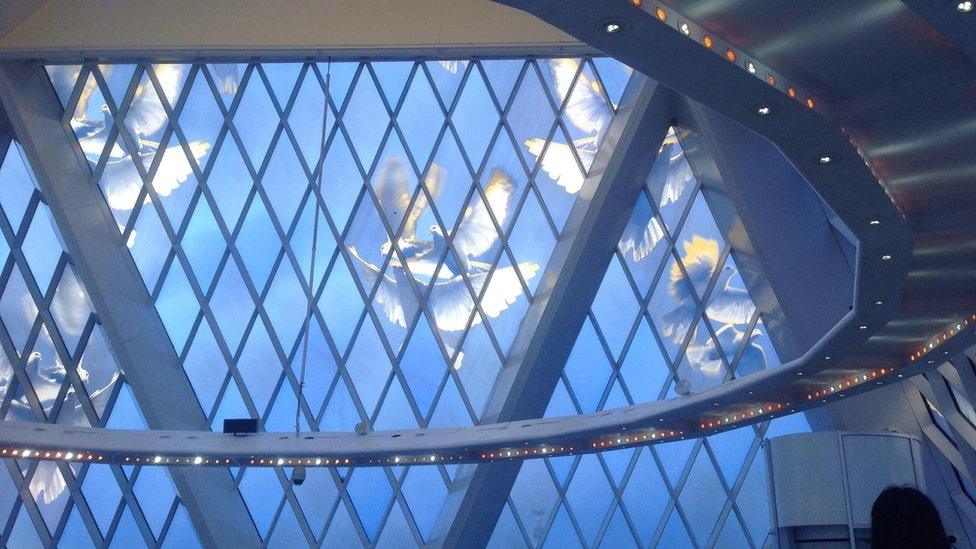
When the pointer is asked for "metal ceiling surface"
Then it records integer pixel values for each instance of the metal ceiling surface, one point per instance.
(907, 94)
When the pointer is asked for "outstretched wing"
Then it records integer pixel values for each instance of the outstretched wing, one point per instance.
(560, 164)
(99, 400)
(452, 66)
(504, 288)
(434, 183)
(678, 178)
(476, 233)
(586, 107)
(387, 295)
(393, 192)
(174, 168)
(146, 114)
(730, 306)
(121, 184)
(642, 233)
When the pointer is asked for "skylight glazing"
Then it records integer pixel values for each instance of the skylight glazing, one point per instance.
(444, 188)
(671, 317)
(56, 367)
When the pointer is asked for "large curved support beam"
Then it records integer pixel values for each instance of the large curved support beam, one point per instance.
(133, 328)
(782, 240)
(572, 278)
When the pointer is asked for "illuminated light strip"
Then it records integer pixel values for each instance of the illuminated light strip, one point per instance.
(850, 382)
(942, 338)
(672, 19)
(751, 413)
(616, 440)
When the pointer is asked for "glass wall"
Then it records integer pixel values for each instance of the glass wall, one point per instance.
(56, 367)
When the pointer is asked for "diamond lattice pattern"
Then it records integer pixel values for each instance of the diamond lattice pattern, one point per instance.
(56, 367)
(671, 317)
(439, 190)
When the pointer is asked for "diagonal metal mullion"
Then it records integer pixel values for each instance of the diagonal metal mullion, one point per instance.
(285, 246)
(230, 238)
(647, 110)
(26, 500)
(44, 318)
(180, 255)
(729, 504)
(675, 492)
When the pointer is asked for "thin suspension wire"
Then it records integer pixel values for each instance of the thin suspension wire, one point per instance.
(315, 238)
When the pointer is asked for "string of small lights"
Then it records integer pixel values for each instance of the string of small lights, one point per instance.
(942, 338)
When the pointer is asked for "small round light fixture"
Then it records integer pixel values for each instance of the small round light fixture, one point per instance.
(612, 28)
(965, 6)
(730, 55)
(661, 14)
(751, 67)
(874, 222)
(764, 110)
(825, 159)
(685, 29)
(771, 79)
(862, 327)
(879, 302)
(708, 42)
(791, 91)
(637, 3)
(886, 257)
(811, 103)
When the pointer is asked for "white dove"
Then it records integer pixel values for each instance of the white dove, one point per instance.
(145, 116)
(122, 183)
(587, 109)
(46, 381)
(393, 191)
(727, 304)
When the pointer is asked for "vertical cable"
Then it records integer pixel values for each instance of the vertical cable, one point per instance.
(315, 238)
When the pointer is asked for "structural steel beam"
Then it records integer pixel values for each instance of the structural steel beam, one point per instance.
(570, 283)
(134, 330)
(781, 237)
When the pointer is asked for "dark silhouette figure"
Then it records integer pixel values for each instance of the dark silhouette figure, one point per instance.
(904, 518)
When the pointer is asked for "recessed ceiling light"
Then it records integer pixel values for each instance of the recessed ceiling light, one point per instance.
(661, 14)
(874, 222)
(825, 159)
(862, 327)
(791, 91)
(771, 79)
(964, 7)
(885, 257)
(637, 2)
(764, 110)
(827, 357)
(612, 27)
(879, 302)
(707, 41)
(731, 55)
(751, 67)
(685, 29)
(811, 103)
